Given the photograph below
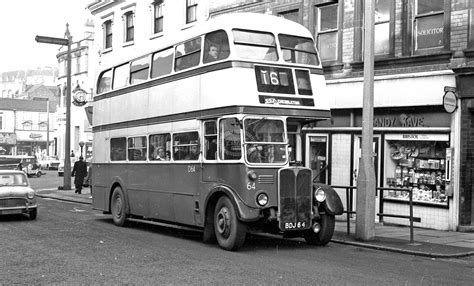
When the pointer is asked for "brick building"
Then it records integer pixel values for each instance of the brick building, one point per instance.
(423, 50)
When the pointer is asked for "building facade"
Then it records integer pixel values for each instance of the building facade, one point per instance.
(82, 82)
(26, 126)
(14, 84)
(423, 97)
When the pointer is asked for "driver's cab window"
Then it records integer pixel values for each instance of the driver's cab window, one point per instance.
(230, 139)
(265, 140)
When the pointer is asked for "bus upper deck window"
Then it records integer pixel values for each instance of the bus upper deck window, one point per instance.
(298, 50)
(105, 82)
(216, 47)
(188, 54)
(255, 45)
(121, 76)
(139, 70)
(162, 63)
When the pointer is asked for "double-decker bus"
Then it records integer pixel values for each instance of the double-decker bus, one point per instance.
(205, 132)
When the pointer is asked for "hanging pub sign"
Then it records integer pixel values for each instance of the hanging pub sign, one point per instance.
(79, 96)
(450, 100)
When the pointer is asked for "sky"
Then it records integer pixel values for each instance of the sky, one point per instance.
(22, 20)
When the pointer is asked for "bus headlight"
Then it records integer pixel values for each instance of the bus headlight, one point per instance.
(262, 199)
(252, 175)
(30, 195)
(319, 195)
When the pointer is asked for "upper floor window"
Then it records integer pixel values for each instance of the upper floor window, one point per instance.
(429, 27)
(191, 11)
(158, 16)
(1, 120)
(471, 25)
(382, 27)
(293, 15)
(108, 34)
(327, 30)
(129, 27)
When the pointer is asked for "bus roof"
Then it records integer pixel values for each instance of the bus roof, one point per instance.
(244, 20)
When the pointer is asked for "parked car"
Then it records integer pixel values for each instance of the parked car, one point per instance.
(61, 166)
(29, 164)
(16, 195)
(49, 163)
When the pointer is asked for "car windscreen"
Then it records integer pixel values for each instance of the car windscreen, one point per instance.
(13, 180)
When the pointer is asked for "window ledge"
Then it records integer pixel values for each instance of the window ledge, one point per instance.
(407, 60)
(107, 50)
(129, 43)
(157, 35)
(332, 67)
(469, 53)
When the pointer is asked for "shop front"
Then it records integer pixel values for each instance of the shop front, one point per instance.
(412, 149)
(7, 143)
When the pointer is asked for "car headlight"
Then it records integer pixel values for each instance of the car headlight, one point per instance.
(319, 195)
(262, 199)
(30, 195)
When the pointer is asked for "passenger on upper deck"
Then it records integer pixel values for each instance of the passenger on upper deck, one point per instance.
(212, 54)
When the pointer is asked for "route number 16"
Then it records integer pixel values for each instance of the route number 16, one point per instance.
(274, 78)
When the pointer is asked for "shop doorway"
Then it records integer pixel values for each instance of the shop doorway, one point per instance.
(317, 156)
(356, 159)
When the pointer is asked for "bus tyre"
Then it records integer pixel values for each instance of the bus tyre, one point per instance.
(325, 234)
(33, 213)
(230, 231)
(118, 204)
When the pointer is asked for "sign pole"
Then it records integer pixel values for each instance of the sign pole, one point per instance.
(67, 159)
(365, 218)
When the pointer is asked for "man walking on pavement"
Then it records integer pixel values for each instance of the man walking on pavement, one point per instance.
(79, 172)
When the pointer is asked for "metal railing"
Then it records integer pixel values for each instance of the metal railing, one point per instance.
(349, 206)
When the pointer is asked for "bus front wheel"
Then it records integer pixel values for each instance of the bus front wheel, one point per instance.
(325, 233)
(230, 231)
(117, 206)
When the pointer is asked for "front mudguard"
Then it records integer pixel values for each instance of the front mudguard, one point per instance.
(332, 204)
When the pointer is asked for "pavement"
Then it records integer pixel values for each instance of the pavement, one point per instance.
(393, 238)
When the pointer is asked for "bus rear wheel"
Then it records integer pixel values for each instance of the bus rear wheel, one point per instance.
(118, 207)
(230, 231)
(325, 234)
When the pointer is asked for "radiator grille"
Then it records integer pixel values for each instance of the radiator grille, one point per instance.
(13, 202)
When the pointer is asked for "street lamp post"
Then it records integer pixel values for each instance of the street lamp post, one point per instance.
(81, 144)
(67, 159)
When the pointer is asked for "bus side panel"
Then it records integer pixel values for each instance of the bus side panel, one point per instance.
(186, 184)
(101, 187)
(136, 184)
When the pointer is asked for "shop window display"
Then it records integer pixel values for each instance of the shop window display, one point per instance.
(419, 166)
